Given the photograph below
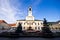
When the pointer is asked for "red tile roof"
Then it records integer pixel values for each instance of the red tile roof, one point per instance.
(12, 24)
(2, 21)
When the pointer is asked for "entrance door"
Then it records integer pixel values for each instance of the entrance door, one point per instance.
(29, 28)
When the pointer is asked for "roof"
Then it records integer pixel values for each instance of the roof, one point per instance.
(12, 24)
(58, 21)
(38, 20)
(54, 22)
(2, 21)
(21, 20)
(25, 20)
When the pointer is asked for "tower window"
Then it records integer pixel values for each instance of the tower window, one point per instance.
(29, 9)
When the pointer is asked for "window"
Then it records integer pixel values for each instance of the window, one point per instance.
(38, 27)
(35, 23)
(59, 28)
(24, 23)
(41, 23)
(38, 23)
(56, 28)
(24, 27)
(35, 27)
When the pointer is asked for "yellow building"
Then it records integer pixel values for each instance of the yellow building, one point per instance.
(55, 26)
(30, 22)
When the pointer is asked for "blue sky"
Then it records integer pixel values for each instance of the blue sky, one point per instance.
(12, 10)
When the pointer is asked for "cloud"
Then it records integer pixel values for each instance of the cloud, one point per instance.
(7, 12)
(36, 2)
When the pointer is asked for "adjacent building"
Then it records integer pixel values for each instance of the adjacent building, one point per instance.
(4, 25)
(54, 26)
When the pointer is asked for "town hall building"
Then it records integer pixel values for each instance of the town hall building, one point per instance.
(30, 22)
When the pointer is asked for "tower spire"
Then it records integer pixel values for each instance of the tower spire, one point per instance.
(30, 16)
(30, 11)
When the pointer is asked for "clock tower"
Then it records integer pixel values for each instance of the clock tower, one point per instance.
(30, 16)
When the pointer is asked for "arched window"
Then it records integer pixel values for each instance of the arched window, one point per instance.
(56, 28)
(41, 23)
(24, 27)
(24, 23)
(35, 27)
(35, 23)
(39, 28)
(59, 28)
(38, 23)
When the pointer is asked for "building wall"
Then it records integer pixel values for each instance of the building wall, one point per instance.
(35, 25)
(55, 26)
(4, 26)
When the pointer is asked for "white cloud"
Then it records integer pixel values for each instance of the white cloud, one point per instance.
(7, 12)
(10, 13)
(36, 2)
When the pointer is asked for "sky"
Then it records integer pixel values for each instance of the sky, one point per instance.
(12, 10)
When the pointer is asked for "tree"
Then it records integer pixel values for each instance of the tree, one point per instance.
(19, 28)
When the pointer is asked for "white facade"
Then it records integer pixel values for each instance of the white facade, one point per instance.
(35, 25)
(30, 22)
